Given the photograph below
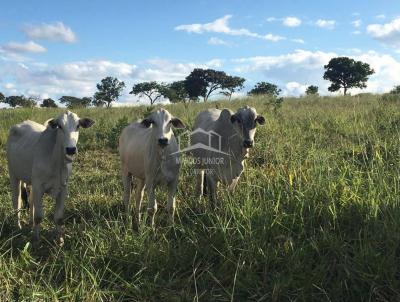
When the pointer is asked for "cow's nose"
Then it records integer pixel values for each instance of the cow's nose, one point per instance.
(248, 143)
(70, 150)
(163, 141)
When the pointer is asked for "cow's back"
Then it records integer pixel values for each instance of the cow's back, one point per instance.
(206, 119)
(21, 143)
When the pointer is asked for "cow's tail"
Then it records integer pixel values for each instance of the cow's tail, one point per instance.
(204, 185)
(24, 196)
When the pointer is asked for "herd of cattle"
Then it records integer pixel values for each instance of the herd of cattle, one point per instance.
(40, 158)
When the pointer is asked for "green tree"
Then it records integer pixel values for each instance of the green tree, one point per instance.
(152, 90)
(203, 82)
(74, 102)
(20, 100)
(265, 88)
(395, 90)
(347, 73)
(312, 90)
(176, 92)
(232, 84)
(109, 90)
(48, 103)
(2, 97)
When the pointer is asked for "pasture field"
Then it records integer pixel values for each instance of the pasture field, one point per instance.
(315, 217)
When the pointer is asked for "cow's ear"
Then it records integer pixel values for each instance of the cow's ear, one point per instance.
(260, 119)
(53, 123)
(177, 123)
(146, 122)
(225, 115)
(234, 118)
(86, 122)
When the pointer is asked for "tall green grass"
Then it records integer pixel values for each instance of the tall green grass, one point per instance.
(316, 215)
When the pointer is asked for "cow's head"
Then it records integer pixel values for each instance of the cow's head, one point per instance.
(245, 121)
(68, 124)
(161, 121)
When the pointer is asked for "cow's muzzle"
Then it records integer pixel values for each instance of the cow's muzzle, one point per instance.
(248, 143)
(163, 142)
(70, 150)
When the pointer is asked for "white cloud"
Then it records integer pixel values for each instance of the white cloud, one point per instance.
(221, 26)
(9, 86)
(296, 70)
(291, 21)
(80, 78)
(388, 33)
(53, 32)
(328, 24)
(356, 32)
(380, 17)
(217, 41)
(271, 19)
(271, 37)
(356, 23)
(303, 59)
(300, 41)
(294, 89)
(16, 47)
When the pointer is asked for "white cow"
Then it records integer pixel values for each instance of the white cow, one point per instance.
(42, 157)
(220, 141)
(150, 153)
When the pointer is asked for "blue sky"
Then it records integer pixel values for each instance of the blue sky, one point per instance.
(54, 48)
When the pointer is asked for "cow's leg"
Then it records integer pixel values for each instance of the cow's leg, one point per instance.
(37, 200)
(127, 182)
(16, 197)
(30, 199)
(59, 215)
(139, 197)
(24, 195)
(152, 206)
(211, 190)
(233, 184)
(199, 183)
(171, 204)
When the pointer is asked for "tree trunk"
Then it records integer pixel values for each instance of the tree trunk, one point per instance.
(345, 90)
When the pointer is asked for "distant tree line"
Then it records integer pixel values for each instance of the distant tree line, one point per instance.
(343, 73)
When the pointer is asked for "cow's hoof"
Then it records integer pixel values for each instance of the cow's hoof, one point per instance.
(60, 241)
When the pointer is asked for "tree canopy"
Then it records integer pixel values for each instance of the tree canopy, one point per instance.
(203, 82)
(232, 84)
(347, 73)
(395, 90)
(312, 90)
(75, 102)
(19, 100)
(176, 92)
(265, 88)
(109, 90)
(48, 103)
(152, 90)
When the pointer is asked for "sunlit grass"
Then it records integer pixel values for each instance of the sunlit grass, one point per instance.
(316, 215)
